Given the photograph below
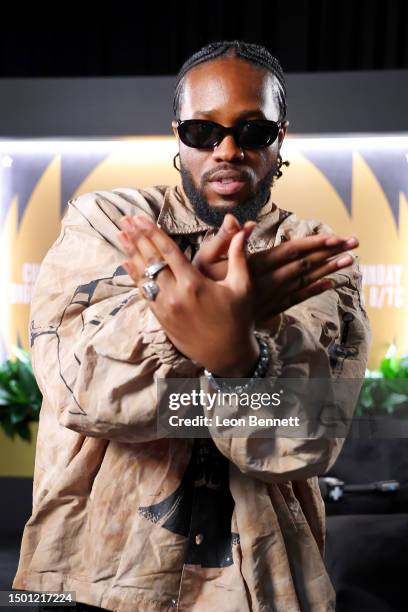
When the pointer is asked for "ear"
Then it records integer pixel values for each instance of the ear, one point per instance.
(174, 127)
(282, 132)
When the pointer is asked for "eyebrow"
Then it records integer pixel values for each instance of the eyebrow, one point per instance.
(241, 115)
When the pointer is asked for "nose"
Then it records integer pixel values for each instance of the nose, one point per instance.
(227, 149)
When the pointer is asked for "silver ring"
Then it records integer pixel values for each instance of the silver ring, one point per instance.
(154, 268)
(150, 290)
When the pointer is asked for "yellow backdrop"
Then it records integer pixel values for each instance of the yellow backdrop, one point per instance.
(322, 175)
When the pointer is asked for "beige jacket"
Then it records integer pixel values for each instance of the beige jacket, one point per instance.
(127, 521)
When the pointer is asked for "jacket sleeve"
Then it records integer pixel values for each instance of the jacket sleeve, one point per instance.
(96, 347)
(327, 336)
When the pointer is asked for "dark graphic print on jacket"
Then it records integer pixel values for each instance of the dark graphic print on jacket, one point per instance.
(200, 508)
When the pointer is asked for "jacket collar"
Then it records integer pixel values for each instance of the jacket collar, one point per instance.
(177, 216)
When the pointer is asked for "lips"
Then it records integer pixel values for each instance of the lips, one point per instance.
(227, 182)
(227, 188)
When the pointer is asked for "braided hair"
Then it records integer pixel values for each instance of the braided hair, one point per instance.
(256, 54)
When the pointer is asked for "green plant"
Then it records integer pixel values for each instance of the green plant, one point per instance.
(385, 391)
(20, 397)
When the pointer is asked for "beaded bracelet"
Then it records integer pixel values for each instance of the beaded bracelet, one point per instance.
(259, 372)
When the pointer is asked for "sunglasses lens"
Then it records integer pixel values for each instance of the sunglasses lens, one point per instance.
(256, 135)
(198, 134)
(206, 134)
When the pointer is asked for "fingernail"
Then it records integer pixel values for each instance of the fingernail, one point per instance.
(351, 242)
(229, 224)
(344, 261)
(143, 222)
(123, 237)
(126, 223)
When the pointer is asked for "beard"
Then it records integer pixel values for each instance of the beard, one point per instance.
(214, 216)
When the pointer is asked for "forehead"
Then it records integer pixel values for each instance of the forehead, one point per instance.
(226, 87)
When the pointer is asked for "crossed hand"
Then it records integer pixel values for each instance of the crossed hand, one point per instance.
(210, 307)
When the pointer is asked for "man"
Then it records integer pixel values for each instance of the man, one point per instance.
(134, 521)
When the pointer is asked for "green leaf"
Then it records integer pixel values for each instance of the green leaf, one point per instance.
(5, 397)
(20, 397)
(18, 417)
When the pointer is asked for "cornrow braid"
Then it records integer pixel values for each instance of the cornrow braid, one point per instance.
(256, 54)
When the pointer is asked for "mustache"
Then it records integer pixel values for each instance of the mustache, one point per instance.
(239, 173)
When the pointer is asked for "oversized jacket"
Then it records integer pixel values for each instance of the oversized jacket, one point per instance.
(119, 515)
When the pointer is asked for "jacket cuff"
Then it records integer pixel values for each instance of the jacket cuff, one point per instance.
(158, 342)
(275, 364)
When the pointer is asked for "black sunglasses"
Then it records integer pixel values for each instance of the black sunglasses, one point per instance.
(254, 134)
